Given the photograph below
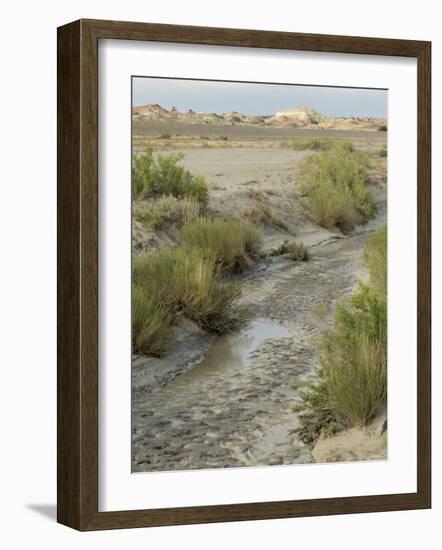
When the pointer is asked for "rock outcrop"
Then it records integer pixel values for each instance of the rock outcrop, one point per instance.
(301, 117)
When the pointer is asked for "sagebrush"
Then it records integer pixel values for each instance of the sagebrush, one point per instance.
(155, 175)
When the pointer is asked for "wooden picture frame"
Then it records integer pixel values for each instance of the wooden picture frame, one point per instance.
(77, 226)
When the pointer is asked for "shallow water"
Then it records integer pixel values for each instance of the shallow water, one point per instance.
(230, 354)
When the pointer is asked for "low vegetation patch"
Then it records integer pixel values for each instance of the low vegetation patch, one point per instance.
(261, 214)
(382, 128)
(296, 250)
(151, 218)
(153, 176)
(150, 323)
(168, 210)
(183, 281)
(375, 260)
(321, 145)
(353, 356)
(231, 242)
(334, 188)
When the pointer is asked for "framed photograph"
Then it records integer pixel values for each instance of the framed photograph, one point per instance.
(236, 340)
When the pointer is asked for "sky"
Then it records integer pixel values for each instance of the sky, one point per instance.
(257, 99)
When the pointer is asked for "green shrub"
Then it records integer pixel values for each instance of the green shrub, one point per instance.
(382, 128)
(352, 379)
(296, 250)
(163, 175)
(143, 175)
(383, 152)
(229, 241)
(165, 135)
(375, 260)
(353, 367)
(334, 190)
(187, 281)
(150, 324)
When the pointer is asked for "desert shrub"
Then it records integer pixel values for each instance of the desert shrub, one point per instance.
(143, 175)
(352, 378)
(150, 324)
(231, 242)
(187, 281)
(163, 175)
(383, 152)
(321, 145)
(333, 188)
(328, 206)
(165, 135)
(261, 214)
(375, 260)
(353, 367)
(296, 250)
(382, 128)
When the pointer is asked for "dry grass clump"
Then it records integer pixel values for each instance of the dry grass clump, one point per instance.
(334, 188)
(178, 211)
(260, 214)
(297, 251)
(153, 176)
(168, 210)
(353, 356)
(231, 242)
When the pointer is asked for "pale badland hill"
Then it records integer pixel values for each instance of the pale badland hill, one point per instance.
(302, 117)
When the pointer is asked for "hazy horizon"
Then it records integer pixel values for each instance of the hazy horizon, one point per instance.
(257, 99)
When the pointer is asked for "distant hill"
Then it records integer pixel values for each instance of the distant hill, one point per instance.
(302, 117)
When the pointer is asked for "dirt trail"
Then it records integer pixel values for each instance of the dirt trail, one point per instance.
(236, 407)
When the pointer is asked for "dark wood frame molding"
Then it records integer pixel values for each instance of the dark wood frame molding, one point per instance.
(77, 225)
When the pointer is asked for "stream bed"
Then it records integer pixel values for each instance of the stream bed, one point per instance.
(236, 407)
